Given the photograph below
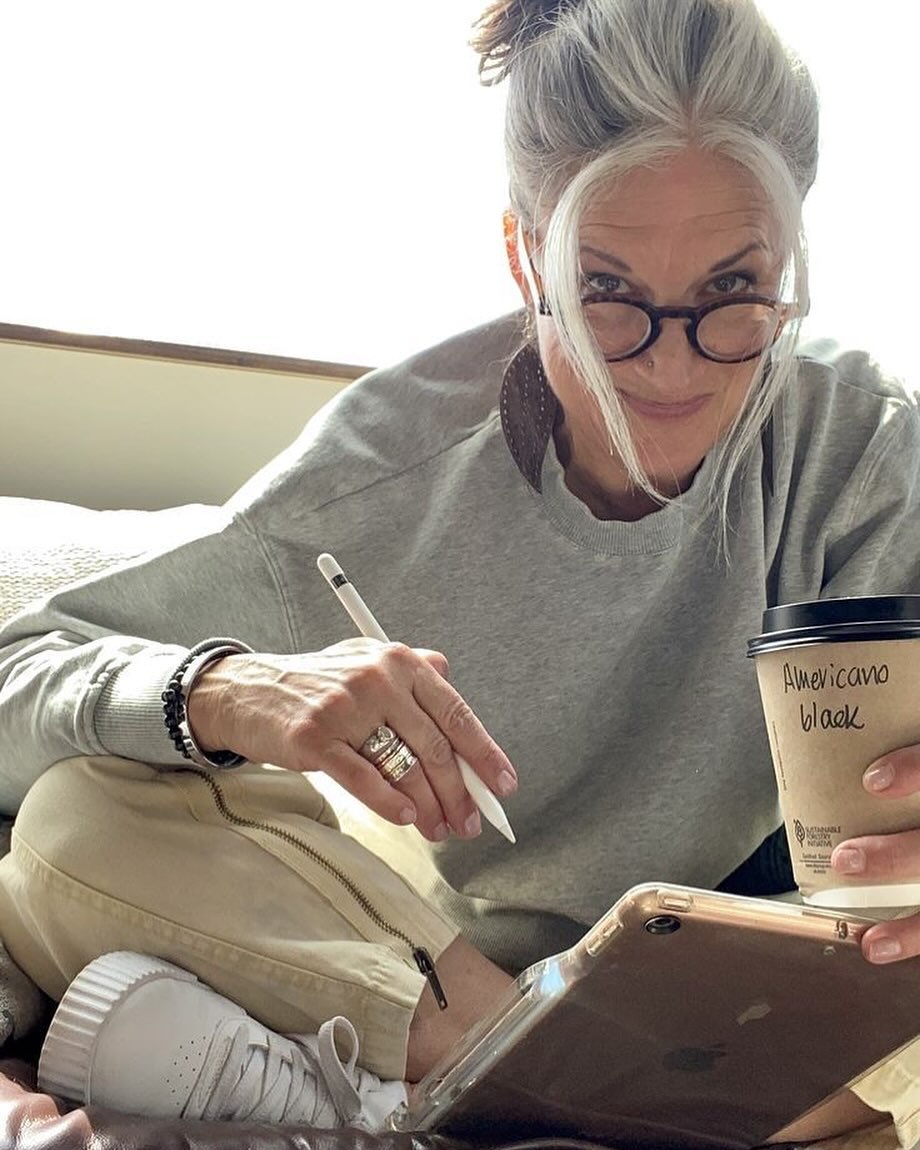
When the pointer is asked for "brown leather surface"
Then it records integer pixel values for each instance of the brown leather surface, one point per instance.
(529, 410)
(33, 1121)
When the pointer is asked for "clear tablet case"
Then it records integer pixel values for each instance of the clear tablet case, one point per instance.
(684, 1018)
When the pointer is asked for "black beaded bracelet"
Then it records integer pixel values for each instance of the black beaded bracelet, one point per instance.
(175, 696)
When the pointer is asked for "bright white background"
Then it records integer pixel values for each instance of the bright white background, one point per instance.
(325, 180)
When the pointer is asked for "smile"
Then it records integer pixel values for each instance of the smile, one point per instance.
(652, 410)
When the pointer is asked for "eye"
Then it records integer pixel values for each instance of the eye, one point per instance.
(732, 283)
(603, 282)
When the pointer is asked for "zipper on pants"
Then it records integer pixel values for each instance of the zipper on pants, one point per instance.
(420, 955)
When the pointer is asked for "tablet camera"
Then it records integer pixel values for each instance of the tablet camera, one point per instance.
(663, 924)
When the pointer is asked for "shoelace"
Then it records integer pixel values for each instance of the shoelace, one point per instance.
(279, 1079)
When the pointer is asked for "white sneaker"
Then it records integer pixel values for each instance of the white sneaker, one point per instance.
(145, 1037)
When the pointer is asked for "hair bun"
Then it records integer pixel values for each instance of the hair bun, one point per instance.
(508, 26)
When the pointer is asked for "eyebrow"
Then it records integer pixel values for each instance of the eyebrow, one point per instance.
(720, 266)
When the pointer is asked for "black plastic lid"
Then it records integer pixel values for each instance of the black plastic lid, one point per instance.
(864, 618)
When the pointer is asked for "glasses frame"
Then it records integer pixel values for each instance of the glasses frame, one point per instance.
(694, 316)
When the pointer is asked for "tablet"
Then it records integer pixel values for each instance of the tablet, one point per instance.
(683, 1018)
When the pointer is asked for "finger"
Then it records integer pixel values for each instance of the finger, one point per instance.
(465, 733)
(438, 752)
(436, 789)
(893, 940)
(436, 660)
(361, 779)
(894, 775)
(880, 858)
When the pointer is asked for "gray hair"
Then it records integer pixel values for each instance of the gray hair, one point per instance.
(600, 87)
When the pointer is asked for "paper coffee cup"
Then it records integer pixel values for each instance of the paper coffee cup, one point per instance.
(840, 685)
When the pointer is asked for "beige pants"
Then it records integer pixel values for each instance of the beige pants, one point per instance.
(240, 877)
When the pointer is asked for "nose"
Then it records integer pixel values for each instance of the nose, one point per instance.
(670, 361)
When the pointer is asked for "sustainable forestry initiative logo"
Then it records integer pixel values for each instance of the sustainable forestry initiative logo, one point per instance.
(814, 837)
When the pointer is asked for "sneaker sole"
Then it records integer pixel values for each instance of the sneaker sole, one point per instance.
(66, 1059)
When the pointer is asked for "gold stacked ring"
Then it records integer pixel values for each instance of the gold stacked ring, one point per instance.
(392, 757)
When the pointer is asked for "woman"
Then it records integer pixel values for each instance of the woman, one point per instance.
(586, 507)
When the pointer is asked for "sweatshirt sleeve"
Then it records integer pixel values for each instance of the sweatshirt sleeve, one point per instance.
(82, 672)
(843, 485)
(872, 536)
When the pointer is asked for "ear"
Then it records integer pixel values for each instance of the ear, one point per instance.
(787, 311)
(510, 224)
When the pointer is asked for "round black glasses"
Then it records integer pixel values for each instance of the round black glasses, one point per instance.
(726, 331)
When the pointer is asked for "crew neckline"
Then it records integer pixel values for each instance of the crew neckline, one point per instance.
(529, 411)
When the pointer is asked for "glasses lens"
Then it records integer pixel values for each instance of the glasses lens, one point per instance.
(619, 328)
(737, 331)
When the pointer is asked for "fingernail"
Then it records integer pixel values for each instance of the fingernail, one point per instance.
(407, 815)
(440, 832)
(879, 777)
(472, 826)
(506, 783)
(850, 860)
(884, 950)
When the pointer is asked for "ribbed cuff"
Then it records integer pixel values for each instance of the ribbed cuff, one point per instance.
(128, 716)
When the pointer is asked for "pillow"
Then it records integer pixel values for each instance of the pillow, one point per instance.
(45, 544)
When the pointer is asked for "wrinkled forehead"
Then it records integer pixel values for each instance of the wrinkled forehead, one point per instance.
(689, 211)
(679, 189)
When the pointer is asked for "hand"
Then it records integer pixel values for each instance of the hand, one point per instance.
(313, 711)
(888, 858)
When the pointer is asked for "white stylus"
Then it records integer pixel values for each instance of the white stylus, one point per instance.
(371, 629)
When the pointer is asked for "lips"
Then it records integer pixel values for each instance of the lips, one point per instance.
(654, 410)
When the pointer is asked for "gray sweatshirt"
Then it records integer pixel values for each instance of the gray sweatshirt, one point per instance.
(607, 658)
